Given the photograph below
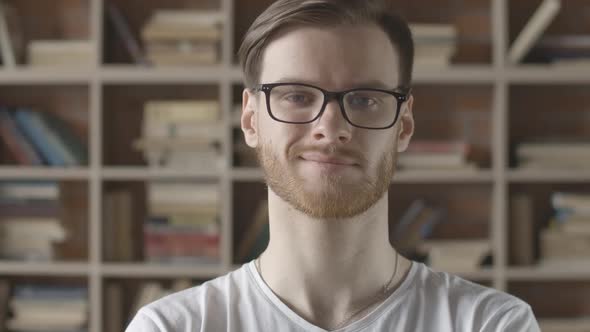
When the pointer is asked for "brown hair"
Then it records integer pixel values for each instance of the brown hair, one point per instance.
(284, 14)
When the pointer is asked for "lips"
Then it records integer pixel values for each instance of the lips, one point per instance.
(322, 158)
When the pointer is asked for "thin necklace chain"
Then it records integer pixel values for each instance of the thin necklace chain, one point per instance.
(377, 299)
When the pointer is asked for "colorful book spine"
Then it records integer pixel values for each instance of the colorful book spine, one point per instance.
(22, 150)
(33, 129)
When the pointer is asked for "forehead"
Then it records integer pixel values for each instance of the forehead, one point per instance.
(336, 58)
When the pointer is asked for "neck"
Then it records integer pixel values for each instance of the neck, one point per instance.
(326, 269)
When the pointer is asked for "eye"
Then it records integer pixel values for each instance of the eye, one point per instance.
(361, 101)
(296, 98)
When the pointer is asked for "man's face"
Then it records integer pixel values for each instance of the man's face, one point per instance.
(327, 168)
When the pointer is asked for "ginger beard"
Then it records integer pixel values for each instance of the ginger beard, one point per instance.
(336, 198)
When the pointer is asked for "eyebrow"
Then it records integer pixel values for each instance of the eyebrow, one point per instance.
(376, 84)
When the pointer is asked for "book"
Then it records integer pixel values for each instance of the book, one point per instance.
(575, 202)
(162, 192)
(173, 208)
(175, 111)
(31, 125)
(4, 302)
(43, 308)
(193, 222)
(522, 230)
(124, 33)
(569, 148)
(433, 31)
(188, 17)
(181, 46)
(456, 255)
(436, 155)
(175, 58)
(553, 153)
(556, 244)
(434, 44)
(434, 146)
(178, 143)
(30, 238)
(74, 150)
(74, 218)
(157, 29)
(174, 129)
(533, 29)
(115, 319)
(48, 292)
(576, 226)
(118, 227)
(22, 191)
(61, 53)
(6, 47)
(563, 51)
(20, 148)
(35, 209)
(434, 161)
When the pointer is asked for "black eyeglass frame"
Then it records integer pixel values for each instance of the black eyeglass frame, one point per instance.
(328, 96)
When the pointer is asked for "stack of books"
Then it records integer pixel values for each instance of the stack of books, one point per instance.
(40, 138)
(457, 255)
(48, 308)
(183, 223)
(434, 44)
(564, 51)
(182, 37)
(424, 154)
(29, 221)
(182, 134)
(553, 154)
(61, 53)
(568, 237)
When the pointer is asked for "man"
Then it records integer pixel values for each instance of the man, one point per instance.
(327, 107)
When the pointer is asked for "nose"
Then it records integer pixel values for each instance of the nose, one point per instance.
(332, 127)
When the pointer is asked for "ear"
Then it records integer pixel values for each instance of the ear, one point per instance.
(249, 121)
(406, 125)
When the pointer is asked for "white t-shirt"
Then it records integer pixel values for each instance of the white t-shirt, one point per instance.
(425, 301)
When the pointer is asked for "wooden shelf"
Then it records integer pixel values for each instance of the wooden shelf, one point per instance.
(565, 324)
(50, 75)
(455, 74)
(127, 74)
(565, 271)
(542, 74)
(443, 176)
(44, 268)
(145, 173)
(44, 173)
(148, 270)
(534, 175)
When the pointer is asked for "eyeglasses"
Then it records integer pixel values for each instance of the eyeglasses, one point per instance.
(300, 103)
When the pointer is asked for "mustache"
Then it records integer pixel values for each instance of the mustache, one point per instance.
(329, 150)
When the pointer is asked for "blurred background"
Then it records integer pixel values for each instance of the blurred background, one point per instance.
(124, 175)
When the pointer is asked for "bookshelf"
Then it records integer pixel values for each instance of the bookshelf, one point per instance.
(480, 98)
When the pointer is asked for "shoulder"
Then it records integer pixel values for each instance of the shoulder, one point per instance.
(483, 308)
(189, 308)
